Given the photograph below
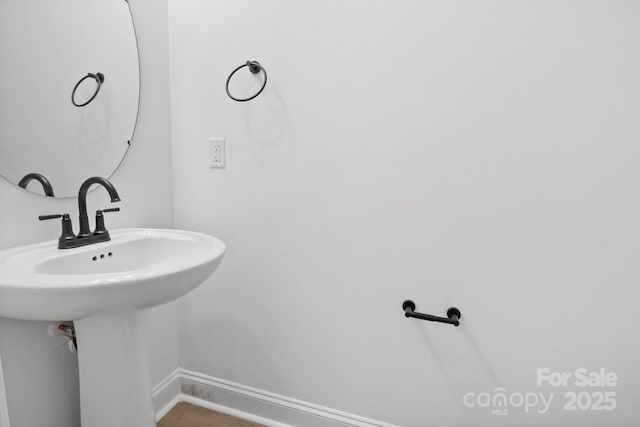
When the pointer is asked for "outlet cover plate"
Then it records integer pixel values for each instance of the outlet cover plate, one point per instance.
(217, 153)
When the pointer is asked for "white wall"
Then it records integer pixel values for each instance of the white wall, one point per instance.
(40, 375)
(476, 154)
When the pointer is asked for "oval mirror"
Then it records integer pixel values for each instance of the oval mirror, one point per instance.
(49, 51)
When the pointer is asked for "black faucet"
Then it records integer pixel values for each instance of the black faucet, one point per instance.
(46, 185)
(82, 201)
(85, 237)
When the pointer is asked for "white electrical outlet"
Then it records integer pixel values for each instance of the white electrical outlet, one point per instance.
(216, 153)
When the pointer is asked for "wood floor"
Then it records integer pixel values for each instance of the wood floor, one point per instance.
(187, 415)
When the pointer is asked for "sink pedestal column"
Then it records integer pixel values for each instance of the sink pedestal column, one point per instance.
(115, 384)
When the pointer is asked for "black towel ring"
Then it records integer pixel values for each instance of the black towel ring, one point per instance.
(255, 68)
(99, 78)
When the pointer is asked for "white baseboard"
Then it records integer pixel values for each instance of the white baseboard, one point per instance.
(166, 394)
(252, 404)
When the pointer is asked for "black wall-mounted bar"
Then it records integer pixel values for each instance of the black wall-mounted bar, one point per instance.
(453, 314)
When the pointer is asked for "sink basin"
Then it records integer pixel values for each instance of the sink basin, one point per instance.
(138, 268)
(105, 288)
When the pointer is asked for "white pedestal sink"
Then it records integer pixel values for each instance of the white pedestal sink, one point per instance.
(105, 288)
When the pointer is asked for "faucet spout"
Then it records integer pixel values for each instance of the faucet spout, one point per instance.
(82, 201)
(46, 185)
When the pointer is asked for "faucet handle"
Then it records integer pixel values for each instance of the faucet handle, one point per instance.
(67, 228)
(46, 217)
(100, 227)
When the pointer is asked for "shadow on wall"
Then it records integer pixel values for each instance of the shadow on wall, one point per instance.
(227, 349)
(446, 364)
(266, 118)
